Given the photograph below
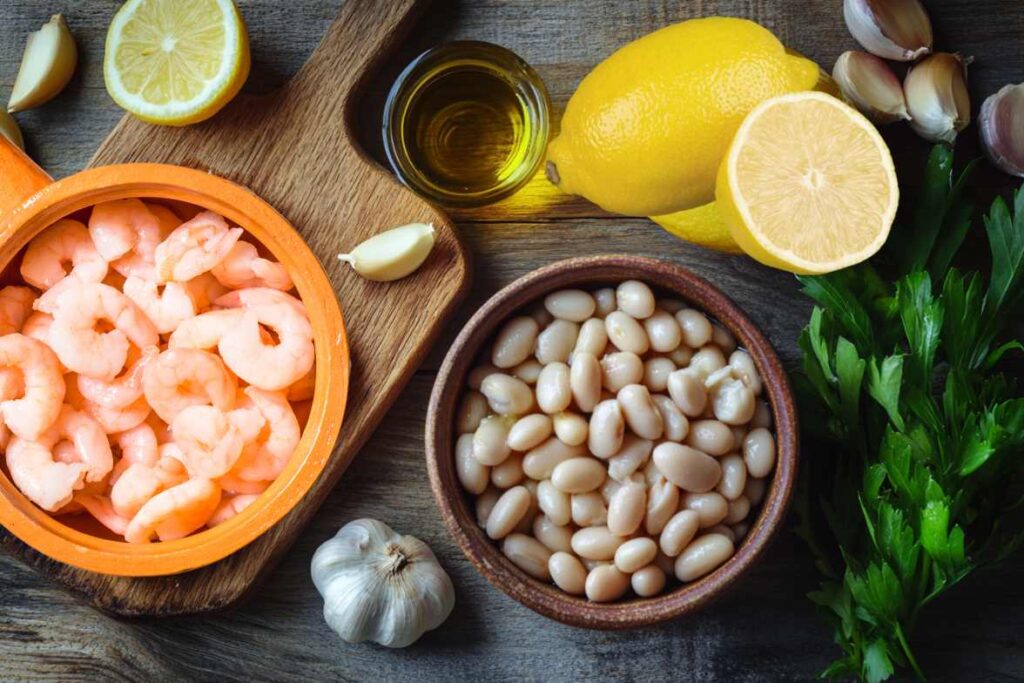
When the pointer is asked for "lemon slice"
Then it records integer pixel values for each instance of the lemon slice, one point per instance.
(808, 185)
(176, 62)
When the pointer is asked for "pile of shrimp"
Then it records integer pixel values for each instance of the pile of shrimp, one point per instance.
(154, 371)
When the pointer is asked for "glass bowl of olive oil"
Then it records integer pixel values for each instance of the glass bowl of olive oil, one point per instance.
(466, 123)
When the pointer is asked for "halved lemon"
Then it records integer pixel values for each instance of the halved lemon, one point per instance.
(808, 185)
(176, 62)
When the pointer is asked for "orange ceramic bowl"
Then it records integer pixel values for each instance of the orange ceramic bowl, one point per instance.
(29, 202)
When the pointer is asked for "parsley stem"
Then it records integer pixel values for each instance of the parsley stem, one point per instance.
(907, 651)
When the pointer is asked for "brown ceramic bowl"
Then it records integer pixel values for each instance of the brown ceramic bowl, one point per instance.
(457, 506)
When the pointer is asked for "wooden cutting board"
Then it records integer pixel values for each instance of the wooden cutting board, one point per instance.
(296, 149)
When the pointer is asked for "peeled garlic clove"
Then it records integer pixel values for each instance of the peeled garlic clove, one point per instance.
(894, 29)
(1002, 129)
(937, 98)
(870, 85)
(9, 129)
(46, 67)
(393, 254)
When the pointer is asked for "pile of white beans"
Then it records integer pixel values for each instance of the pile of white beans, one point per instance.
(614, 441)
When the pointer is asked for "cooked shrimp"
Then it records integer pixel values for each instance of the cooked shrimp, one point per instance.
(176, 512)
(62, 250)
(160, 428)
(194, 247)
(15, 308)
(258, 296)
(265, 364)
(114, 420)
(209, 441)
(167, 308)
(83, 349)
(204, 288)
(233, 485)
(205, 330)
(138, 445)
(230, 507)
(87, 440)
(180, 378)
(302, 390)
(244, 267)
(115, 226)
(140, 261)
(265, 457)
(37, 408)
(141, 482)
(103, 512)
(124, 389)
(12, 383)
(46, 482)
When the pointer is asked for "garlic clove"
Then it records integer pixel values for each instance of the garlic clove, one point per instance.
(9, 129)
(1001, 124)
(937, 98)
(392, 254)
(894, 29)
(870, 85)
(46, 66)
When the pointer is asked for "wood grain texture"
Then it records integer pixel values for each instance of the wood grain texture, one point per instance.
(294, 148)
(765, 630)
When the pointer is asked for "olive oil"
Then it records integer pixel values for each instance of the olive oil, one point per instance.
(466, 124)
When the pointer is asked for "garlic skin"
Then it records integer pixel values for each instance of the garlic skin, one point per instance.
(894, 29)
(937, 98)
(869, 84)
(1001, 124)
(46, 67)
(9, 129)
(393, 254)
(378, 585)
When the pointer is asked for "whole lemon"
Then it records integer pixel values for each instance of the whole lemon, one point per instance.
(644, 133)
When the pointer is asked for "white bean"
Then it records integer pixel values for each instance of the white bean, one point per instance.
(711, 436)
(739, 433)
(478, 374)
(585, 381)
(541, 460)
(472, 475)
(514, 342)
(639, 411)
(759, 452)
(635, 299)
(596, 543)
(762, 416)
(529, 432)
(555, 342)
(678, 532)
(541, 316)
(607, 429)
(707, 360)
(670, 306)
(743, 367)
(484, 504)
(687, 391)
(606, 583)
(605, 300)
(626, 333)
(528, 371)
(578, 475)
(663, 332)
(687, 468)
(738, 510)
(711, 507)
(734, 477)
(733, 402)
(472, 410)
(703, 556)
(739, 531)
(553, 391)
(635, 554)
(570, 428)
(507, 395)
(662, 503)
(553, 503)
(568, 573)
(511, 507)
(723, 338)
(621, 369)
(755, 490)
(570, 304)
(509, 473)
(656, 372)
(490, 440)
(695, 327)
(648, 582)
(589, 509)
(555, 537)
(632, 456)
(528, 554)
(681, 356)
(723, 530)
(626, 509)
(592, 338)
(676, 424)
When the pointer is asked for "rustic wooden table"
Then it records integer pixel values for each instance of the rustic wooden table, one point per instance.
(764, 630)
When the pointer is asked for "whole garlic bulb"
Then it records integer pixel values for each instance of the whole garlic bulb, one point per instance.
(378, 585)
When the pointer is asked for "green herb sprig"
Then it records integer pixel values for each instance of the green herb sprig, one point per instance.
(922, 432)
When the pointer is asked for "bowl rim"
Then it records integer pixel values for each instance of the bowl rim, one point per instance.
(485, 554)
(45, 533)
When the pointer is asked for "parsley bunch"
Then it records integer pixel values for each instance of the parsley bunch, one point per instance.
(918, 461)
